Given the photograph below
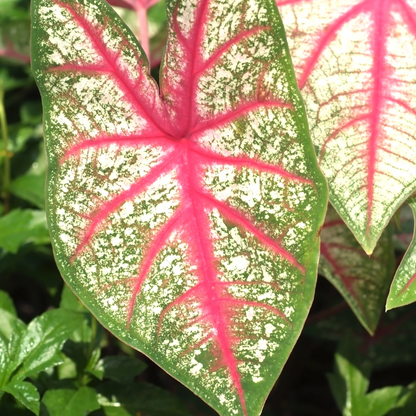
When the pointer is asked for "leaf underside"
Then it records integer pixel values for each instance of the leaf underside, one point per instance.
(187, 221)
(362, 280)
(355, 62)
(403, 287)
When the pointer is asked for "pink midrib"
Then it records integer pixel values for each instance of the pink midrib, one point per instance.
(379, 34)
(326, 38)
(203, 246)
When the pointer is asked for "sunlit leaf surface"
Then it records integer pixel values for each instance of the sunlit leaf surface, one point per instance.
(355, 62)
(403, 288)
(186, 221)
(363, 281)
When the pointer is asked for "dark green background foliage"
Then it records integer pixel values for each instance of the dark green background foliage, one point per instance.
(56, 360)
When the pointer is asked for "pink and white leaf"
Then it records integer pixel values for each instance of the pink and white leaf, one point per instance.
(355, 62)
(186, 219)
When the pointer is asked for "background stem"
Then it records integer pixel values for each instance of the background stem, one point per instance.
(6, 167)
(143, 29)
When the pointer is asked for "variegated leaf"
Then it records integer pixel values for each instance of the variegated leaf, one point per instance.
(403, 288)
(187, 222)
(363, 281)
(356, 66)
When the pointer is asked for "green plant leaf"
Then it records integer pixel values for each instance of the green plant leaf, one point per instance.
(6, 303)
(350, 380)
(3, 362)
(403, 287)
(26, 393)
(406, 405)
(30, 188)
(10, 323)
(39, 347)
(362, 280)
(156, 19)
(70, 301)
(188, 220)
(120, 368)
(23, 226)
(403, 230)
(8, 81)
(357, 81)
(138, 398)
(83, 352)
(379, 402)
(69, 402)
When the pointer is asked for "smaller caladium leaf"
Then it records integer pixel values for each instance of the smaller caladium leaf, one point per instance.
(362, 280)
(356, 66)
(186, 219)
(403, 287)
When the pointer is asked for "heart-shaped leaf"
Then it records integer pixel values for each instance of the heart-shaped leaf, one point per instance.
(187, 222)
(362, 280)
(403, 287)
(356, 66)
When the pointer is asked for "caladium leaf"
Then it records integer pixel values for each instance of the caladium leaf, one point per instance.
(356, 66)
(403, 287)
(363, 281)
(187, 222)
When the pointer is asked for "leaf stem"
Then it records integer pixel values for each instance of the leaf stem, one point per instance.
(93, 336)
(6, 169)
(143, 28)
